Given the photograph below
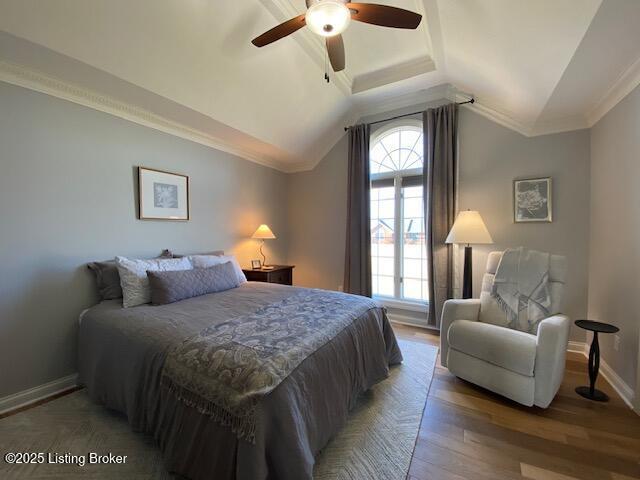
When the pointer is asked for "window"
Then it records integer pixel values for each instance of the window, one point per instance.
(399, 265)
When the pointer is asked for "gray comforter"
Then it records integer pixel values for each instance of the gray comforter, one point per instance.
(121, 357)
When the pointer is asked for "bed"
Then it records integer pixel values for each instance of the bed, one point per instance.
(122, 357)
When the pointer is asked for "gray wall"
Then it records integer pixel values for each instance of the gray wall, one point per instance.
(491, 157)
(67, 197)
(318, 219)
(615, 233)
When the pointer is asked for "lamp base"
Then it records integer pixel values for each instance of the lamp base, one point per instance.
(268, 267)
(467, 279)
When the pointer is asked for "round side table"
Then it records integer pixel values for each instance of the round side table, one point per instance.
(591, 392)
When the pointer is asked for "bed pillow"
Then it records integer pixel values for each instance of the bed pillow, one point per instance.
(133, 277)
(204, 261)
(108, 278)
(169, 287)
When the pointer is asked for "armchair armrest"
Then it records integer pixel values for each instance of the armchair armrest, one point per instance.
(551, 352)
(455, 310)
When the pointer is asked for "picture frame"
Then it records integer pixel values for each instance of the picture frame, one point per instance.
(162, 195)
(532, 200)
(256, 264)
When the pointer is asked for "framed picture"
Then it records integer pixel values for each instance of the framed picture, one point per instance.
(532, 200)
(162, 195)
(256, 264)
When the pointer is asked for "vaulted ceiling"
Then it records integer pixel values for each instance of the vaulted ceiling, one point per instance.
(187, 66)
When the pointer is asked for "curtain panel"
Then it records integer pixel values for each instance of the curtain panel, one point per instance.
(440, 194)
(357, 271)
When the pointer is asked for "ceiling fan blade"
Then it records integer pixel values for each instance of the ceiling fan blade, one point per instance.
(280, 31)
(384, 15)
(335, 47)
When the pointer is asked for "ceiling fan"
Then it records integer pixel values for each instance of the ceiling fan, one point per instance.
(329, 18)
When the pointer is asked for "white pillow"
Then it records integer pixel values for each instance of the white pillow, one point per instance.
(133, 276)
(205, 261)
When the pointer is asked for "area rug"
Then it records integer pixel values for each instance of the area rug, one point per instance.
(377, 441)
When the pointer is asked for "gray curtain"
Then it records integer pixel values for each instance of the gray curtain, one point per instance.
(357, 270)
(440, 193)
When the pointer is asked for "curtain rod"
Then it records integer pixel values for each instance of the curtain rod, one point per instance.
(472, 101)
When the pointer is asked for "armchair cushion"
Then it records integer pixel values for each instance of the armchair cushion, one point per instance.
(504, 347)
(451, 311)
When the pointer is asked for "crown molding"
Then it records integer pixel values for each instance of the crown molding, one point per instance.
(559, 125)
(445, 91)
(398, 102)
(311, 44)
(37, 81)
(622, 87)
(424, 97)
(495, 115)
(392, 74)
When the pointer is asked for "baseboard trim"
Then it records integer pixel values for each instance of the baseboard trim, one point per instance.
(36, 394)
(616, 382)
(578, 347)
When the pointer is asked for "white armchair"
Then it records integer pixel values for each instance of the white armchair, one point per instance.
(523, 367)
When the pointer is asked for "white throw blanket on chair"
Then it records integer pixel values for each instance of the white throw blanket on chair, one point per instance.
(521, 288)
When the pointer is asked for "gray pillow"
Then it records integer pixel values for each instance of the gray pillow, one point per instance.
(108, 277)
(169, 287)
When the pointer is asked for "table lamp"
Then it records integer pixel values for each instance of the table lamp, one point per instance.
(264, 233)
(468, 228)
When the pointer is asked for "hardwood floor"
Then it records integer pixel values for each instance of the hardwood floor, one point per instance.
(470, 433)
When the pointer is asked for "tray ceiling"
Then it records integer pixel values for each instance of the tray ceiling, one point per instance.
(536, 66)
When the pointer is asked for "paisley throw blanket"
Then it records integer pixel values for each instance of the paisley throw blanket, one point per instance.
(225, 369)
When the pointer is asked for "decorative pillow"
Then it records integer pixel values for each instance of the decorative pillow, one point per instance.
(169, 287)
(204, 261)
(134, 281)
(108, 277)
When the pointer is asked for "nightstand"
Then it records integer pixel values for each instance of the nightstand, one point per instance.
(282, 274)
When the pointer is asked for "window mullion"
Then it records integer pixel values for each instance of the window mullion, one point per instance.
(399, 237)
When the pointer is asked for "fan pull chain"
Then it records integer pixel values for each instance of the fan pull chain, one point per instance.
(326, 71)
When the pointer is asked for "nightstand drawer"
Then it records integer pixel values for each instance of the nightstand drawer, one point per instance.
(282, 276)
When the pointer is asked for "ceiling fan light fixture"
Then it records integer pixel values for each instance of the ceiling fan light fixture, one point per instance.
(328, 17)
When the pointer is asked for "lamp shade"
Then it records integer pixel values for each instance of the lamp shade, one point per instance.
(469, 228)
(263, 233)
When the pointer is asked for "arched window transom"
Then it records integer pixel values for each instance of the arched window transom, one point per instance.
(397, 149)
